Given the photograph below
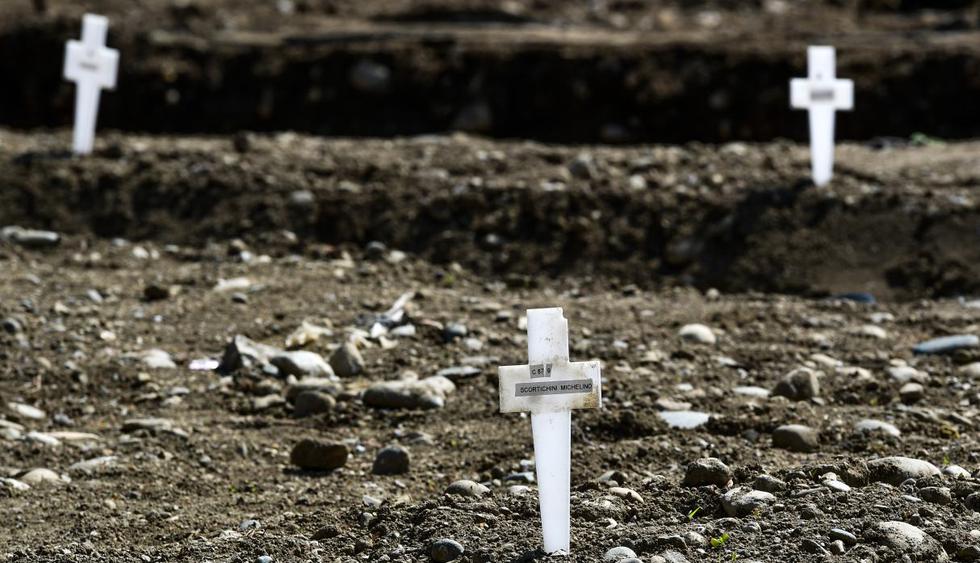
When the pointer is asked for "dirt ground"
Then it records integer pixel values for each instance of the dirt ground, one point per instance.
(188, 213)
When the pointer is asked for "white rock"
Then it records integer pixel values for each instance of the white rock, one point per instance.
(697, 333)
(157, 359)
(872, 331)
(41, 476)
(871, 425)
(26, 411)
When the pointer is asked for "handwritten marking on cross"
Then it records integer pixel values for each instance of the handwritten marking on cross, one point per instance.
(91, 66)
(549, 387)
(822, 94)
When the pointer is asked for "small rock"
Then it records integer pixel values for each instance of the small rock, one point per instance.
(707, 471)
(742, 501)
(319, 384)
(347, 360)
(316, 454)
(26, 412)
(947, 344)
(769, 484)
(896, 470)
(971, 370)
(956, 472)
(157, 359)
(697, 333)
(393, 460)
(905, 374)
(796, 438)
(936, 495)
(906, 539)
(11, 325)
(302, 363)
(30, 238)
(800, 384)
(872, 331)
(467, 488)
(310, 403)
(457, 373)
(454, 331)
(843, 536)
(911, 393)
(40, 476)
(429, 393)
(618, 554)
(871, 425)
(444, 550)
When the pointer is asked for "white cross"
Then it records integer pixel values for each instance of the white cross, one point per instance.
(91, 66)
(549, 388)
(822, 94)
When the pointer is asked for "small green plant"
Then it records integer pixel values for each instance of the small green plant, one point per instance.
(691, 514)
(720, 540)
(946, 460)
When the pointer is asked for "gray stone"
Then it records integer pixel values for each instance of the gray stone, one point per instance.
(908, 540)
(911, 393)
(936, 495)
(370, 77)
(30, 238)
(956, 472)
(444, 550)
(467, 488)
(896, 470)
(40, 477)
(906, 374)
(742, 501)
(26, 412)
(310, 403)
(870, 425)
(393, 460)
(429, 393)
(457, 373)
(156, 358)
(317, 454)
(843, 535)
(684, 420)
(11, 325)
(319, 384)
(947, 344)
(242, 352)
(454, 331)
(769, 484)
(707, 471)
(800, 384)
(346, 360)
(697, 333)
(618, 554)
(94, 465)
(796, 438)
(301, 363)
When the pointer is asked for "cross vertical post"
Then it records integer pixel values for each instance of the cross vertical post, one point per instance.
(821, 94)
(91, 66)
(549, 387)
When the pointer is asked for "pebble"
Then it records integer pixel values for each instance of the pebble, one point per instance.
(909, 540)
(707, 471)
(30, 238)
(156, 358)
(317, 454)
(752, 391)
(40, 476)
(11, 325)
(871, 425)
(429, 393)
(618, 554)
(467, 488)
(310, 403)
(801, 384)
(627, 494)
(697, 333)
(302, 363)
(742, 501)
(971, 370)
(896, 470)
(457, 373)
(264, 559)
(872, 331)
(911, 393)
(14, 484)
(306, 333)
(796, 438)
(956, 472)
(20, 410)
(769, 484)
(392, 460)
(454, 331)
(325, 385)
(936, 495)
(906, 374)
(444, 550)
(266, 402)
(347, 361)
(947, 344)
(90, 466)
(843, 536)
(684, 419)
